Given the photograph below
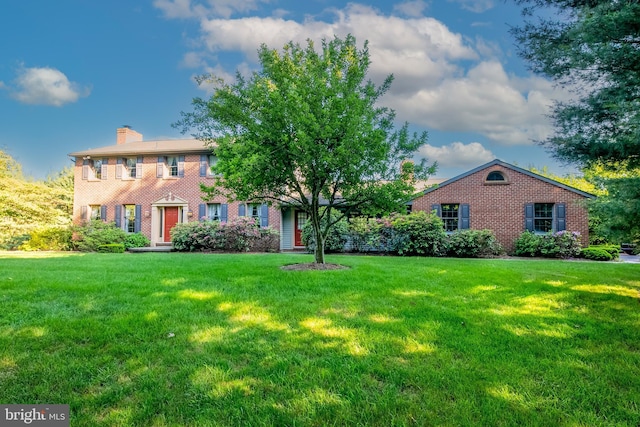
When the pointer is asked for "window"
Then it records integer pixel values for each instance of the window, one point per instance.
(130, 218)
(97, 168)
(95, 212)
(172, 166)
(543, 217)
(255, 210)
(214, 211)
(449, 215)
(495, 176)
(212, 160)
(130, 167)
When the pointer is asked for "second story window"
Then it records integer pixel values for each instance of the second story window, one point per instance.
(130, 167)
(170, 167)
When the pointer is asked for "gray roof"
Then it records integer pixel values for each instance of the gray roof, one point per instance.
(177, 146)
(512, 167)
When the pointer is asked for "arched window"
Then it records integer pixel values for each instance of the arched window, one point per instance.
(495, 176)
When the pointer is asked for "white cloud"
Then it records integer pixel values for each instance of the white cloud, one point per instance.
(46, 86)
(443, 81)
(477, 6)
(457, 154)
(413, 8)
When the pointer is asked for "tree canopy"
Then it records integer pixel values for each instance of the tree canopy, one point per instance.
(306, 131)
(591, 47)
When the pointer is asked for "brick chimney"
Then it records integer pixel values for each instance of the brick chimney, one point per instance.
(126, 134)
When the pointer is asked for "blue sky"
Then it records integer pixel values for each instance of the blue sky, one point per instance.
(72, 71)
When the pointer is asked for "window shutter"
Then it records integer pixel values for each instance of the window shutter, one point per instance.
(241, 209)
(139, 162)
(181, 166)
(264, 215)
(203, 165)
(160, 166)
(561, 217)
(137, 225)
(119, 168)
(437, 209)
(202, 211)
(528, 216)
(118, 217)
(103, 212)
(103, 168)
(83, 213)
(464, 216)
(85, 169)
(224, 212)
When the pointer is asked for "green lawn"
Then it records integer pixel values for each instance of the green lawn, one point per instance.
(195, 339)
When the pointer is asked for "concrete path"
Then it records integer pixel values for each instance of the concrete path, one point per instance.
(635, 259)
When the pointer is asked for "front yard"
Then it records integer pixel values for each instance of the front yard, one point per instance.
(193, 339)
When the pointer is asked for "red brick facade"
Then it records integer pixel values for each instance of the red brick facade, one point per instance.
(500, 205)
(151, 193)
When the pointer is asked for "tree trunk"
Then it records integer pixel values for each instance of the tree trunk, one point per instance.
(320, 239)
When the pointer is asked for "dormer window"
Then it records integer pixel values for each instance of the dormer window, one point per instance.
(496, 177)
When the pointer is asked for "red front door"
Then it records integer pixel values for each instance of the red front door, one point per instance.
(170, 219)
(300, 220)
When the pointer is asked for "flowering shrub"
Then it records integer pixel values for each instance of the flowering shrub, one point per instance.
(472, 244)
(240, 235)
(562, 244)
(418, 233)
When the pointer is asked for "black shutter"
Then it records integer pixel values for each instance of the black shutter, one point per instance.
(528, 216)
(464, 216)
(224, 212)
(241, 209)
(83, 213)
(103, 212)
(202, 212)
(118, 217)
(264, 215)
(561, 217)
(437, 209)
(137, 225)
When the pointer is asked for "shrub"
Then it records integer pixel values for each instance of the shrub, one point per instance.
(112, 248)
(473, 243)
(335, 240)
(88, 237)
(49, 239)
(527, 244)
(562, 244)
(136, 240)
(14, 243)
(418, 233)
(613, 250)
(240, 235)
(365, 234)
(596, 253)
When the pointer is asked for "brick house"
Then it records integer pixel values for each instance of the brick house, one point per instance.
(508, 200)
(149, 186)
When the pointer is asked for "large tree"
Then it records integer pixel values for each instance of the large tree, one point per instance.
(591, 47)
(306, 131)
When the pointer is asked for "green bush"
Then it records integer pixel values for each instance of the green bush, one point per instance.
(92, 235)
(136, 240)
(14, 243)
(562, 244)
(240, 235)
(335, 241)
(613, 250)
(49, 239)
(596, 254)
(473, 244)
(365, 234)
(111, 248)
(419, 233)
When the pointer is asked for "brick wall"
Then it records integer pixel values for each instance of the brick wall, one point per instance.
(500, 207)
(147, 190)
